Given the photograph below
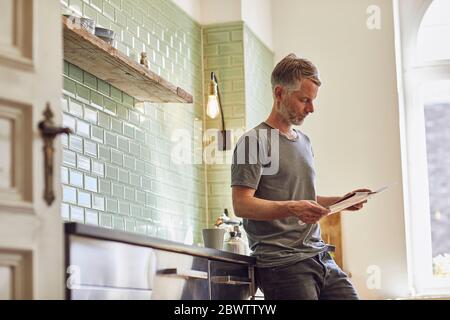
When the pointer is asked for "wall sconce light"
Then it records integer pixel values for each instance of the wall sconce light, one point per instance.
(213, 108)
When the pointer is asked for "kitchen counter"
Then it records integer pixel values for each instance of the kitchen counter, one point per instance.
(84, 230)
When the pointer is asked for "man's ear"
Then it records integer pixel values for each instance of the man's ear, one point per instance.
(278, 93)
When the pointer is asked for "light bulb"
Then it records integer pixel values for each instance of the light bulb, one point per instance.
(212, 108)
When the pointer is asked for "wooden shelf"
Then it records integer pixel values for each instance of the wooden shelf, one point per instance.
(95, 56)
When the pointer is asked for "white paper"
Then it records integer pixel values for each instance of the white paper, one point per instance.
(353, 199)
(356, 198)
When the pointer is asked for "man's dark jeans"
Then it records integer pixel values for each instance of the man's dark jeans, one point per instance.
(316, 278)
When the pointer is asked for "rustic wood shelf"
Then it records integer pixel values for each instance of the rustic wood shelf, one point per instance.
(94, 55)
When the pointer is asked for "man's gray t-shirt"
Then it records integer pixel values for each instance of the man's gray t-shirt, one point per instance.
(281, 241)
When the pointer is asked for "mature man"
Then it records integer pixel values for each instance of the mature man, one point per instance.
(280, 207)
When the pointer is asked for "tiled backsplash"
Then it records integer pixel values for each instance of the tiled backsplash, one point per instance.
(117, 170)
(243, 65)
(258, 89)
(223, 50)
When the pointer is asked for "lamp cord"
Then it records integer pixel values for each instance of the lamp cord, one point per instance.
(213, 76)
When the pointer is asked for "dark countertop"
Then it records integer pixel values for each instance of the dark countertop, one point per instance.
(84, 230)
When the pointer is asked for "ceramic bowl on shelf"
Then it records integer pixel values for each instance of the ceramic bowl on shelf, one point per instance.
(106, 35)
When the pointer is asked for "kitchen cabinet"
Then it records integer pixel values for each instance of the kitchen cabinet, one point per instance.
(180, 277)
(231, 281)
(100, 269)
(109, 264)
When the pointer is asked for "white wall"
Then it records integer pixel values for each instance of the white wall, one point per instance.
(258, 16)
(211, 11)
(192, 7)
(219, 11)
(355, 129)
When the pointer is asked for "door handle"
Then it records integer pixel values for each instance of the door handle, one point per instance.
(231, 280)
(183, 273)
(48, 132)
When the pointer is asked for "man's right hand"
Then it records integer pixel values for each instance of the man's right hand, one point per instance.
(308, 211)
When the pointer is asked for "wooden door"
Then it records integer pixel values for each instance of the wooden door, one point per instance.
(31, 233)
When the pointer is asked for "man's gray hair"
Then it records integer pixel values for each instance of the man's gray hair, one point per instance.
(291, 69)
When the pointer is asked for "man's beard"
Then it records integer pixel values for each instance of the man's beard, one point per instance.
(288, 116)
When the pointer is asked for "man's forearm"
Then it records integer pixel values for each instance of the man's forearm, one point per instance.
(327, 201)
(260, 209)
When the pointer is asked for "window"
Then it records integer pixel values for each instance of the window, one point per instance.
(425, 53)
(436, 104)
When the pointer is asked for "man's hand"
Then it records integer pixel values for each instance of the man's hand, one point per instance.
(307, 211)
(357, 206)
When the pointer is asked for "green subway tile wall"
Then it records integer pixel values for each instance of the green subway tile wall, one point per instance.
(117, 168)
(223, 53)
(243, 65)
(259, 62)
